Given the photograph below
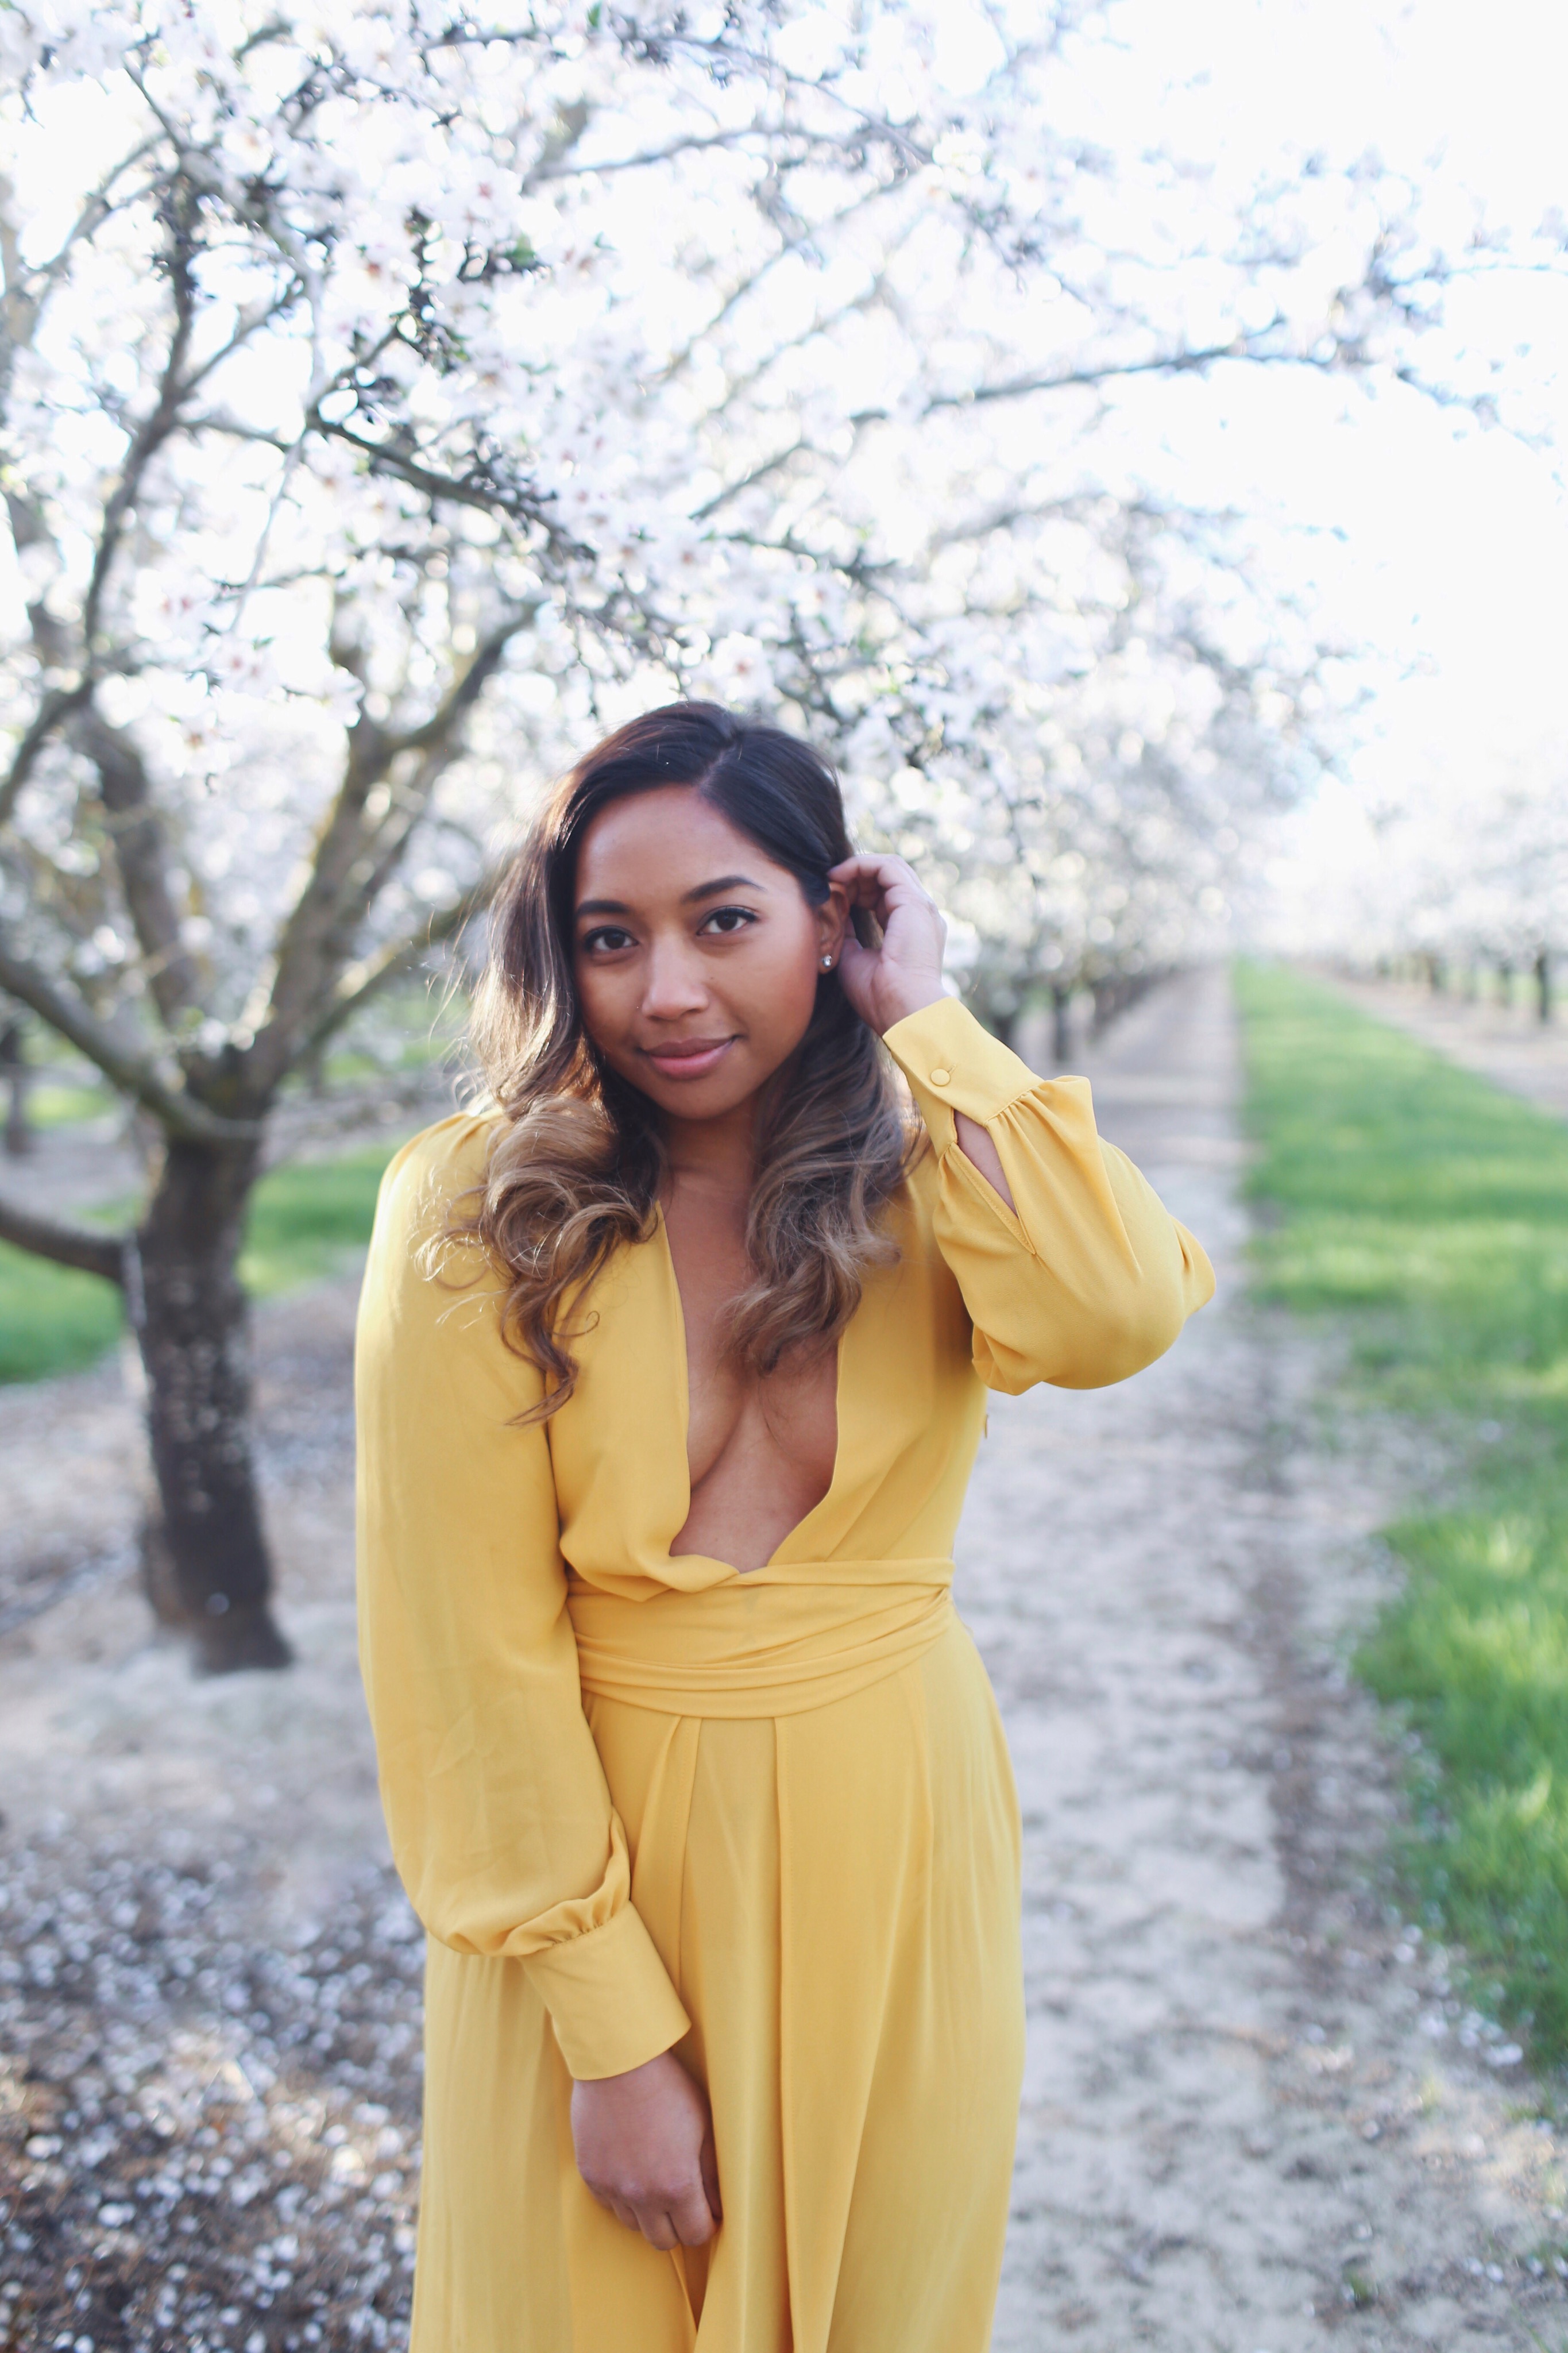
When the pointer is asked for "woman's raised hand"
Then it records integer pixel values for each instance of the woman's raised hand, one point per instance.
(645, 2147)
(885, 983)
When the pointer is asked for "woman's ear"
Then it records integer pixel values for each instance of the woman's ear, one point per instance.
(832, 922)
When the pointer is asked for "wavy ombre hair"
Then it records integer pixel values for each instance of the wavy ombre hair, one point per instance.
(578, 1166)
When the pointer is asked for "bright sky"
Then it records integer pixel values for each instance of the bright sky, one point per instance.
(1447, 549)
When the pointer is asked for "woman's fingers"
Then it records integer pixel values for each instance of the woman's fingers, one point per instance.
(902, 971)
(708, 2161)
(890, 891)
(686, 2218)
(645, 2147)
(691, 2217)
(683, 2219)
(874, 880)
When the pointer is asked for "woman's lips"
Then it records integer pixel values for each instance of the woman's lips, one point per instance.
(688, 1061)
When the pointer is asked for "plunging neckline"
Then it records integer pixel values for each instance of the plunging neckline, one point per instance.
(683, 1421)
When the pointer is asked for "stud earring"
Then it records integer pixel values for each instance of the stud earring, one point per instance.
(827, 964)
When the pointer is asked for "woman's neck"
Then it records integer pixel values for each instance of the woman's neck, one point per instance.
(714, 1155)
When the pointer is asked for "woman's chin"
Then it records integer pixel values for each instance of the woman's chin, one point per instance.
(727, 1088)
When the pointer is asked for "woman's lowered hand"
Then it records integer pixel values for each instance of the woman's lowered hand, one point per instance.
(645, 2147)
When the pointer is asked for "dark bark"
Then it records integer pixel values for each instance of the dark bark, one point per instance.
(1543, 985)
(1061, 1023)
(206, 1561)
(94, 1251)
(14, 1075)
(18, 1134)
(141, 854)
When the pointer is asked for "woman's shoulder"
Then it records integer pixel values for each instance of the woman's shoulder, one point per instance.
(434, 1168)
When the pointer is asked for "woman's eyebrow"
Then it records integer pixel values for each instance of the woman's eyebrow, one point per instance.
(724, 882)
(698, 890)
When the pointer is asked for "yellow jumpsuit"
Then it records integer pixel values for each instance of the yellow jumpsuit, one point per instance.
(643, 1802)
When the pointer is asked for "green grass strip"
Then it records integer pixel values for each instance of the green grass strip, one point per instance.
(308, 1222)
(52, 1319)
(1430, 1211)
(311, 1220)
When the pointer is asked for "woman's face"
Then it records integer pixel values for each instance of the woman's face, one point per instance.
(697, 959)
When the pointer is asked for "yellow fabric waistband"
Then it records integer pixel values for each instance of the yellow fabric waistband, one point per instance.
(777, 1648)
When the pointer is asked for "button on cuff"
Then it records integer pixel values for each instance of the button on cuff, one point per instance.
(954, 1063)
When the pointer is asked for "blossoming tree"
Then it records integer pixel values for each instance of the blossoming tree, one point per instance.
(388, 394)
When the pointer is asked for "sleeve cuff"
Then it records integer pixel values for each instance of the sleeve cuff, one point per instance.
(953, 1065)
(609, 1997)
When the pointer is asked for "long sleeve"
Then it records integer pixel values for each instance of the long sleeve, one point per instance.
(1092, 1278)
(496, 1801)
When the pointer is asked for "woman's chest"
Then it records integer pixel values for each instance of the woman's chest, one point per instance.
(777, 1428)
(630, 1447)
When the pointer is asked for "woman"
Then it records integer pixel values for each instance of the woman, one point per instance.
(672, 1367)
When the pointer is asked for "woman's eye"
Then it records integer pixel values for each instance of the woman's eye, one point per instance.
(727, 919)
(605, 940)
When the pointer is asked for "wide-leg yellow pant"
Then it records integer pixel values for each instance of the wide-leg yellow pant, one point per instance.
(835, 1894)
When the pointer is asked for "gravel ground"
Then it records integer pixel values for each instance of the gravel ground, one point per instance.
(206, 2140)
(209, 1976)
(1258, 2117)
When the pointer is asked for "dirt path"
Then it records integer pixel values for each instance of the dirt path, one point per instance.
(1256, 2119)
(1251, 2122)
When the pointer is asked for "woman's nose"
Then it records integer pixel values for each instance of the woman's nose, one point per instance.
(675, 983)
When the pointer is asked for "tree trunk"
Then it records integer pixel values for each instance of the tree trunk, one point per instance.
(15, 1073)
(206, 1561)
(1061, 1023)
(1108, 1000)
(1543, 985)
(18, 1134)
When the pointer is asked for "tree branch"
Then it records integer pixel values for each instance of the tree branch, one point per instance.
(67, 1245)
(57, 705)
(807, 233)
(749, 481)
(563, 170)
(134, 1074)
(94, 212)
(137, 833)
(157, 426)
(1182, 363)
(475, 489)
(365, 980)
(346, 873)
(450, 715)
